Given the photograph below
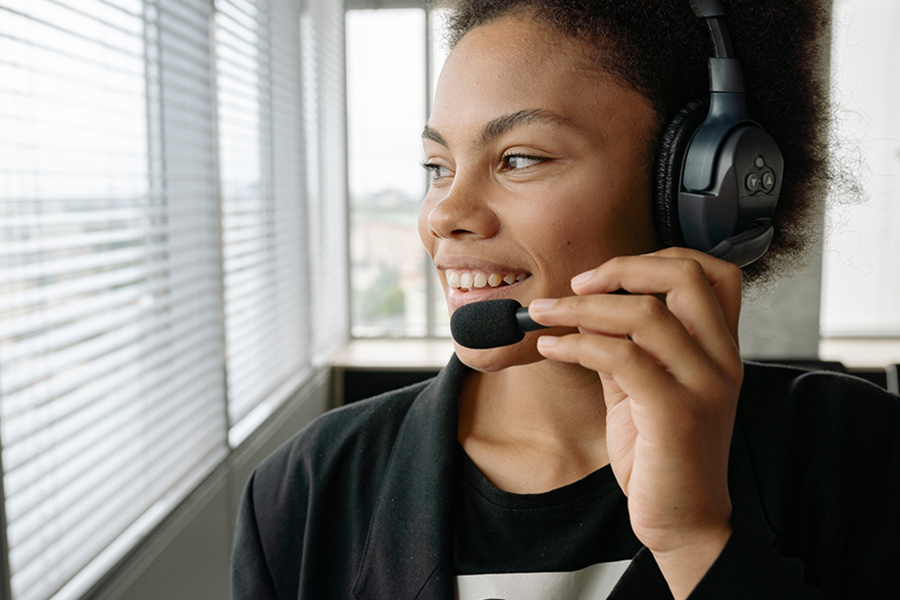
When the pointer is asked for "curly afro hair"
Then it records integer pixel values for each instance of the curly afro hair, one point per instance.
(660, 48)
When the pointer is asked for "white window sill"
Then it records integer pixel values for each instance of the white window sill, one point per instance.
(406, 354)
(861, 352)
(434, 353)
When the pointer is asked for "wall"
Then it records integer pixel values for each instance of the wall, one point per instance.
(188, 556)
(782, 320)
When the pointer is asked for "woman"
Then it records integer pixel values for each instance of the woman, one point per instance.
(626, 452)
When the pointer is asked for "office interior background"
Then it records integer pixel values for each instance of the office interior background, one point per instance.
(207, 231)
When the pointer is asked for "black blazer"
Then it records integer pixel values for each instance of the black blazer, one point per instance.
(358, 504)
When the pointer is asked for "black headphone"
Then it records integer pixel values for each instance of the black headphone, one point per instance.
(718, 173)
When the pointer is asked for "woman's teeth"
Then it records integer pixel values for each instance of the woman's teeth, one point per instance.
(467, 280)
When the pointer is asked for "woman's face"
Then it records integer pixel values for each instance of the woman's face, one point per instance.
(538, 172)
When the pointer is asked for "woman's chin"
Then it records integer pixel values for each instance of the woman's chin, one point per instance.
(492, 360)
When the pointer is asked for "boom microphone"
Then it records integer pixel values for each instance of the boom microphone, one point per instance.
(491, 323)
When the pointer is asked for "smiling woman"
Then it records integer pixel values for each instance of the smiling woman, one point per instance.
(625, 451)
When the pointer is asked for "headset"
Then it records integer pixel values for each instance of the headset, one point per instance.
(718, 172)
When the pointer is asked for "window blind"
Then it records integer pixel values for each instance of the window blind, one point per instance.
(111, 375)
(289, 175)
(260, 135)
(324, 118)
(154, 256)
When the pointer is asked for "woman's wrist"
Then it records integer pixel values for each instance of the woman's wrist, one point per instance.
(685, 565)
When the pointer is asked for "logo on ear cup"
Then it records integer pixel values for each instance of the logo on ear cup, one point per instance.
(761, 178)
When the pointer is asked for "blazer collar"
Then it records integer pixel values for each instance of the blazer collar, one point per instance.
(409, 548)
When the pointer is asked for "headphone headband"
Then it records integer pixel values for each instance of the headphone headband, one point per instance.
(707, 8)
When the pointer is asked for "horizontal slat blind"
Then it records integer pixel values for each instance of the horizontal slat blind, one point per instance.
(258, 82)
(322, 27)
(111, 372)
(292, 254)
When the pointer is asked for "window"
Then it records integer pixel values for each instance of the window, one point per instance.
(156, 208)
(391, 52)
(861, 290)
(393, 57)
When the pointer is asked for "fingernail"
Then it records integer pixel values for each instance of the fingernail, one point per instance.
(582, 279)
(542, 303)
(547, 341)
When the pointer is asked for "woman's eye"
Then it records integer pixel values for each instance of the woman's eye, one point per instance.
(511, 162)
(436, 171)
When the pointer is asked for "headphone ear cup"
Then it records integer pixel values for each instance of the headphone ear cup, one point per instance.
(669, 163)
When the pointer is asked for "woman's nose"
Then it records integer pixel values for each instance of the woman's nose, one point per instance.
(463, 213)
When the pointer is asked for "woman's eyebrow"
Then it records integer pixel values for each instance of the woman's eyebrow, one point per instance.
(501, 125)
(430, 134)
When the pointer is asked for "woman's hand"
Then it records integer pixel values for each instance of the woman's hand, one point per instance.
(668, 359)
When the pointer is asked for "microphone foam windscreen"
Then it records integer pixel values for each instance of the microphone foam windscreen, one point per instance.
(487, 324)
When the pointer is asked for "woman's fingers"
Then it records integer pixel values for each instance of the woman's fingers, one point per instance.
(647, 274)
(702, 292)
(654, 335)
(673, 335)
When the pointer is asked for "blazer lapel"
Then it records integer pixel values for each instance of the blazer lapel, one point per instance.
(409, 548)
